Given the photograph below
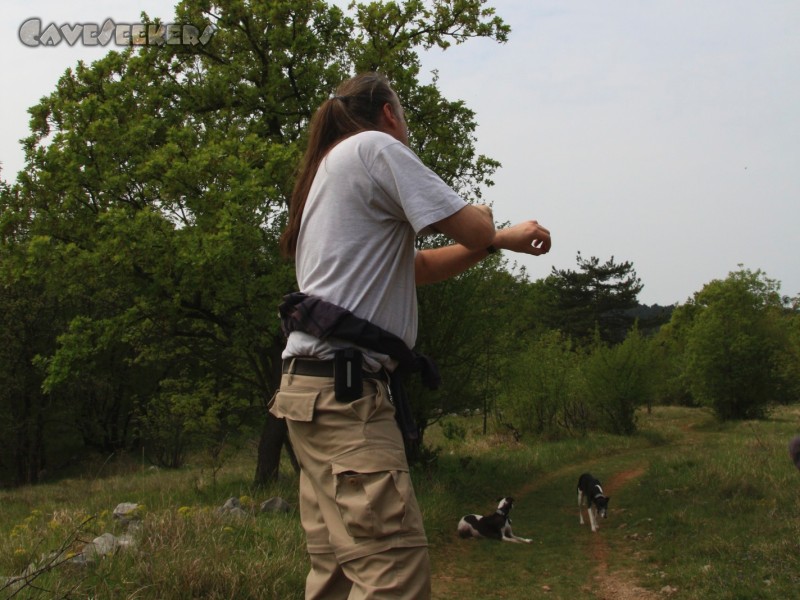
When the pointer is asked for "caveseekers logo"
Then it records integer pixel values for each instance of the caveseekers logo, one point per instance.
(33, 34)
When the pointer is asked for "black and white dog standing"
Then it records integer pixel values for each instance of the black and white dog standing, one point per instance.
(496, 526)
(596, 501)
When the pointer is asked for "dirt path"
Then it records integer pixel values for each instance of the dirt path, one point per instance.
(618, 585)
(460, 566)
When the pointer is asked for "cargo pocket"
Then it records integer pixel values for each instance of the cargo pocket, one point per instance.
(372, 491)
(294, 404)
(365, 408)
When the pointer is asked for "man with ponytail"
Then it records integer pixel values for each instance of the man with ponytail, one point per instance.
(360, 199)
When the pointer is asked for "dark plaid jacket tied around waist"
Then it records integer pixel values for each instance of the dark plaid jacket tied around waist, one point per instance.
(322, 319)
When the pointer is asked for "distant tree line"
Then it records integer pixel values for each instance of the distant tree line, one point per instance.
(733, 348)
(139, 271)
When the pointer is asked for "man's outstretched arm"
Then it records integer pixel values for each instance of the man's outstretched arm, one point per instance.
(473, 231)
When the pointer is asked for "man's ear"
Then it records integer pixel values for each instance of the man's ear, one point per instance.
(391, 122)
(389, 114)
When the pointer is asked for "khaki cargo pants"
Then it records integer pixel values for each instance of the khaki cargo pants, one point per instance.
(363, 526)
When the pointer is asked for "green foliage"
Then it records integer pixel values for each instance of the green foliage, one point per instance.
(734, 346)
(540, 389)
(555, 389)
(452, 430)
(617, 381)
(154, 233)
(145, 223)
(467, 325)
(189, 413)
(593, 297)
(788, 367)
(34, 436)
(670, 383)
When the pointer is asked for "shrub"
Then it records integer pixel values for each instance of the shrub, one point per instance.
(617, 381)
(734, 345)
(539, 395)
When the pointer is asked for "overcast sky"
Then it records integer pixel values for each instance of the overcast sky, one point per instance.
(661, 132)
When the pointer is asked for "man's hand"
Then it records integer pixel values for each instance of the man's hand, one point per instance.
(527, 237)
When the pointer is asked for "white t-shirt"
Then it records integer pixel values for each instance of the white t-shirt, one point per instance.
(371, 197)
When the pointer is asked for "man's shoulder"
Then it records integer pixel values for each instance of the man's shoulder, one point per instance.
(371, 139)
(376, 137)
(373, 147)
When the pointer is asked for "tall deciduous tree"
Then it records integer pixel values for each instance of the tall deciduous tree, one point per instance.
(735, 345)
(155, 189)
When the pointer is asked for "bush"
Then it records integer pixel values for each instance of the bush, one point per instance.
(734, 347)
(617, 381)
(540, 389)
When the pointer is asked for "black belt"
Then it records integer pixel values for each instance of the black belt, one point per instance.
(322, 368)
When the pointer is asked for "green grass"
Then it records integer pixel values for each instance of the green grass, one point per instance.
(729, 522)
(185, 549)
(698, 510)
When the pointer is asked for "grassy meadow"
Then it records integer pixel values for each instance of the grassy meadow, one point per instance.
(698, 510)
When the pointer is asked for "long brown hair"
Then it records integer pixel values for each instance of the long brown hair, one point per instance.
(356, 107)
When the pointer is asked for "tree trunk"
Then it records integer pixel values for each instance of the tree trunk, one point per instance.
(273, 437)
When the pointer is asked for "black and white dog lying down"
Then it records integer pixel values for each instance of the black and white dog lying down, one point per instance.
(596, 501)
(496, 526)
